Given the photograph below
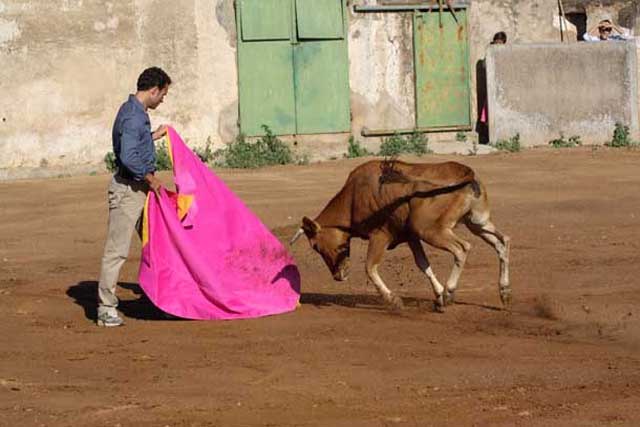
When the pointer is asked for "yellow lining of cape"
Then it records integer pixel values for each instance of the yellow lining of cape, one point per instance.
(145, 221)
(145, 211)
(170, 150)
(184, 201)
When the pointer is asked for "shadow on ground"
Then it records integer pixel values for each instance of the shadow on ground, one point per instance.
(85, 294)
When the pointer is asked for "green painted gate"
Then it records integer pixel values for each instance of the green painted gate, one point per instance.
(293, 66)
(442, 69)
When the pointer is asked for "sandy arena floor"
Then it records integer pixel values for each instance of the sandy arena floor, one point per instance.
(568, 354)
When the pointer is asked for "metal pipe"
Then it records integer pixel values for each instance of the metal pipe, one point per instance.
(403, 7)
(384, 132)
(563, 21)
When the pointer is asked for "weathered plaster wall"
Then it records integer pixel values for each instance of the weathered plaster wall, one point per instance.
(564, 91)
(67, 65)
(381, 70)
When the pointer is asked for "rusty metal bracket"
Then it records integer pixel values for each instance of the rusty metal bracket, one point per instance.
(453, 12)
(409, 7)
(386, 132)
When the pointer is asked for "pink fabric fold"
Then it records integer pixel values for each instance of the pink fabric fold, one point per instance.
(205, 255)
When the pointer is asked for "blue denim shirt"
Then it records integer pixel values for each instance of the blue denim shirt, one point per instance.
(132, 141)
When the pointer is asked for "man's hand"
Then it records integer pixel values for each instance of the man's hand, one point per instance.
(159, 133)
(154, 183)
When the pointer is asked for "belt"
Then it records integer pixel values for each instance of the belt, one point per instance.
(125, 174)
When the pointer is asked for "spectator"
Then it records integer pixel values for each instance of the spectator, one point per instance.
(499, 38)
(605, 31)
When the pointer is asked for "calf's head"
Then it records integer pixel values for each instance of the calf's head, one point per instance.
(332, 243)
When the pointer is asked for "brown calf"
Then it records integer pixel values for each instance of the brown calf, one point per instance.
(389, 203)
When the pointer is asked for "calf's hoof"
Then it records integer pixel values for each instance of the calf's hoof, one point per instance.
(449, 297)
(395, 303)
(438, 304)
(505, 297)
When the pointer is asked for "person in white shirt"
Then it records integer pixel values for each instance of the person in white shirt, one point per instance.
(606, 31)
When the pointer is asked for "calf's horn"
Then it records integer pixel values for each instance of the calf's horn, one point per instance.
(299, 233)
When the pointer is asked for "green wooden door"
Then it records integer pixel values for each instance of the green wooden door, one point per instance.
(442, 70)
(293, 66)
(265, 66)
(321, 67)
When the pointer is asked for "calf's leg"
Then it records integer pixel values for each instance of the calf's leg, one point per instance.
(378, 244)
(501, 243)
(446, 239)
(423, 264)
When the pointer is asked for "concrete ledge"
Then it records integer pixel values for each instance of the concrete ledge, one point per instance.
(463, 148)
(13, 174)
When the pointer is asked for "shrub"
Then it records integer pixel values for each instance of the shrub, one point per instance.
(415, 143)
(573, 141)
(474, 148)
(163, 160)
(355, 149)
(512, 144)
(205, 154)
(110, 161)
(268, 150)
(461, 137)
(621, 137)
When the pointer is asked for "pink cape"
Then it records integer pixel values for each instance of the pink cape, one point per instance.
(205, 255)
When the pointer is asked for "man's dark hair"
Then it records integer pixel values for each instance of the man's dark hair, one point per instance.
(500, 37)
(152, 77)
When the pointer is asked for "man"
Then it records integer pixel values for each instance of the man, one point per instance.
(135, 160)
(605, 31)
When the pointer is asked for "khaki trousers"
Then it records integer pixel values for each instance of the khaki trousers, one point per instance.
(126, 201)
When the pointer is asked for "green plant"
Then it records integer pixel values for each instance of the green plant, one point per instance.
(474, 148)
(621, 137)
(461, 137)
(267, 150)
(163, 160)
(415, 143)
(110, 161)
(561, 142)
(206, 154)
(355, 149)
(512, 144)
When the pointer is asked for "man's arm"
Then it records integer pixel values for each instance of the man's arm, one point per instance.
(129, 154)
(131, 159)
(154, 183)
(159, 133)
(623, 33)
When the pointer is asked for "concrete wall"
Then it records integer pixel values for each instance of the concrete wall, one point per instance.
(67, 65)
(543, 90)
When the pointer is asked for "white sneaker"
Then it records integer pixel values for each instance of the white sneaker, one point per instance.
(109, 320)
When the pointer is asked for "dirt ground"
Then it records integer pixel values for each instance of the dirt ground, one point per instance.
(567, 355)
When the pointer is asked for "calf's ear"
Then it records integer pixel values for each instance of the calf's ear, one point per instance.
(310, 226)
